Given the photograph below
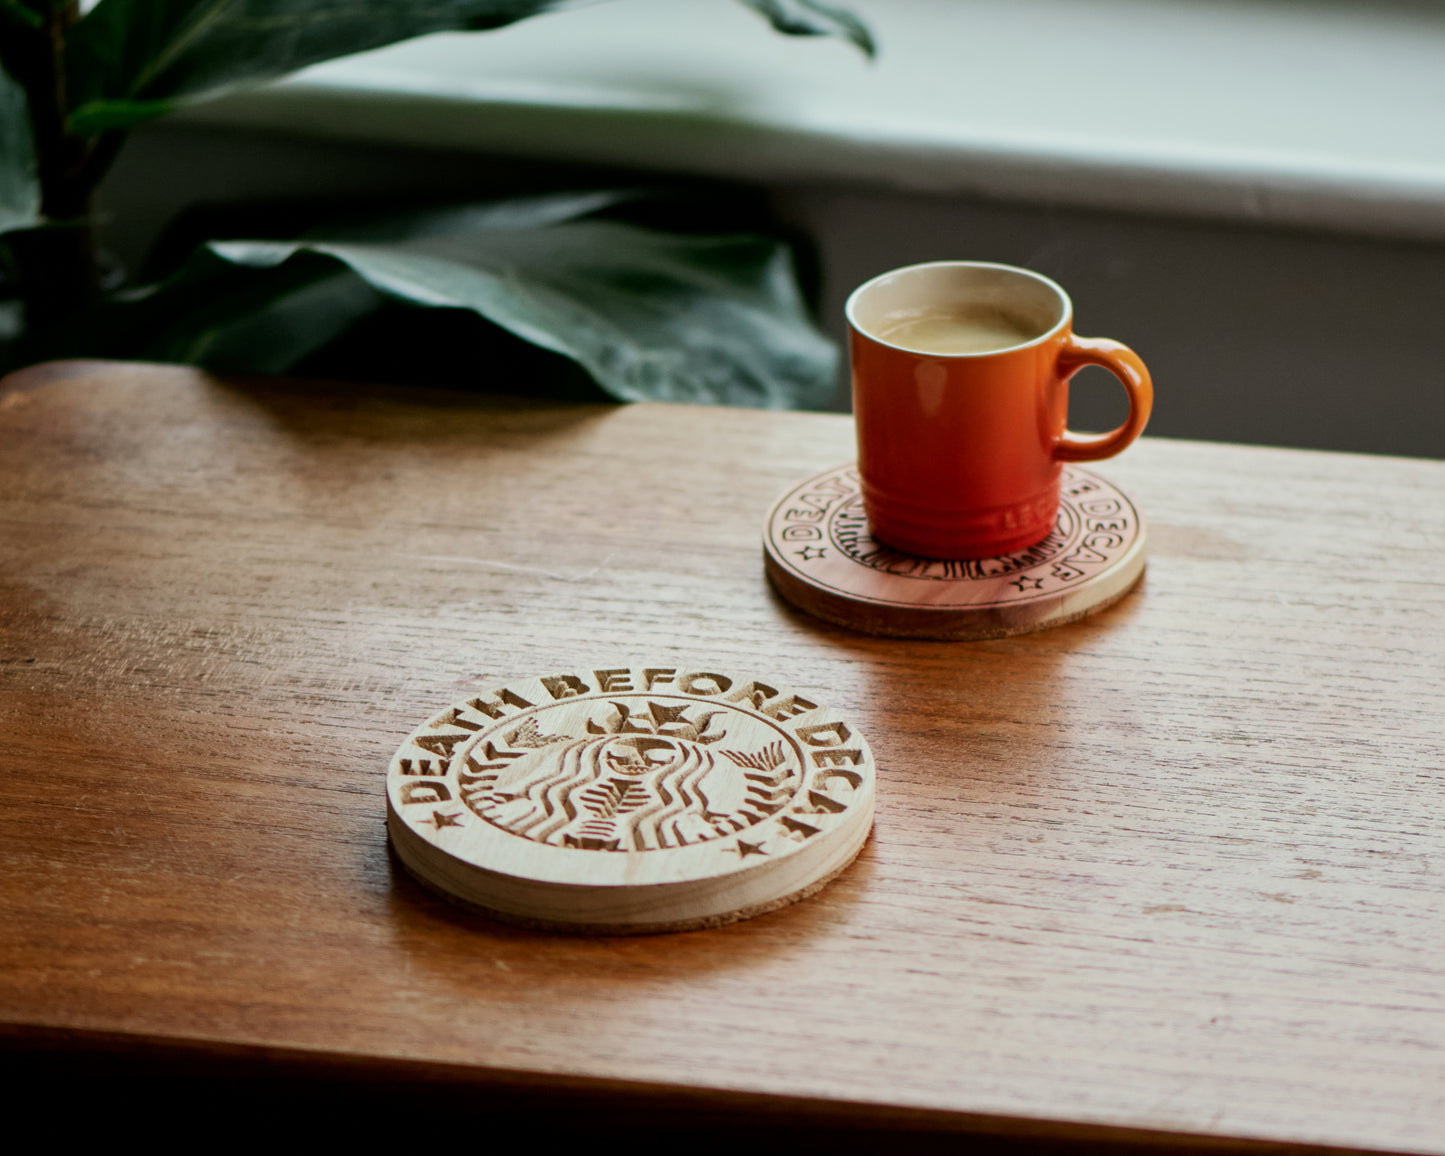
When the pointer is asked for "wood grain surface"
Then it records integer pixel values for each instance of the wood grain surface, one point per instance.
(1175, 870)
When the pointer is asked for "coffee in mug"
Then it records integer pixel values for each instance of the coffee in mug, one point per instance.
(960, 395)
(961, 330)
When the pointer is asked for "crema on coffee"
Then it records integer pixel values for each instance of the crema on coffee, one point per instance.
(968, 329)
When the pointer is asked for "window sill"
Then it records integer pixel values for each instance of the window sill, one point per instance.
(1314, 114)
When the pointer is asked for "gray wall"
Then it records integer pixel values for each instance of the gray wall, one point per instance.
(1253, 335)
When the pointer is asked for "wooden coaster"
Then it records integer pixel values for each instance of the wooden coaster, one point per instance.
(630, 800)
(819, 554)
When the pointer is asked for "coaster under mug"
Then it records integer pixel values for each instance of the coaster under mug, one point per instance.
(820, 556)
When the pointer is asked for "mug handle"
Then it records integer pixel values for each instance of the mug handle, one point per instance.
(1124, 364)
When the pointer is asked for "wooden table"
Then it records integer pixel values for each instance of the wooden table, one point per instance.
(1173, 875)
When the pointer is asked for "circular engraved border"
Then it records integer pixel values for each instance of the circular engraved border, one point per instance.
(787, 837)
(820, 555)
(849, 534)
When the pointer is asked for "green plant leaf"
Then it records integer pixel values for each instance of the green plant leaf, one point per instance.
(19, 178)
(815, 18)
(648, 315)
(22, 14)
(132, 60)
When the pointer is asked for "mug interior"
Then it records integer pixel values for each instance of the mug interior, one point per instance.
(918, 291)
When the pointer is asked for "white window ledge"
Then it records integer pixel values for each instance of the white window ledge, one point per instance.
(1319, 113)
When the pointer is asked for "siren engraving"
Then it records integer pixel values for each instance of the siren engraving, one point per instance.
(646, 773)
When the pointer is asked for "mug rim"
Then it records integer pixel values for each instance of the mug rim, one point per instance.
(1064, 320)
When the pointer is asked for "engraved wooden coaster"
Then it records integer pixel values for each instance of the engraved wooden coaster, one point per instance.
(630, 800)
(819, 554)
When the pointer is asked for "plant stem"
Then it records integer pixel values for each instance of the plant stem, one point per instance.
(57, 262)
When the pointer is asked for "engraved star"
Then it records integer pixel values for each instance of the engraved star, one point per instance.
(1028, 583)
(809, 552)
(662, 715)
(438, 820)
(745, 849)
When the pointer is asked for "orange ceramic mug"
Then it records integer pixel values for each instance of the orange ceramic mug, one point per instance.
(961, 396)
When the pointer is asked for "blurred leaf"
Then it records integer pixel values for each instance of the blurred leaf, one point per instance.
(131, 60)
(815, 18)
(21, 13)
(532, 212)
(648, 315)
(19, 180)
(256, 321)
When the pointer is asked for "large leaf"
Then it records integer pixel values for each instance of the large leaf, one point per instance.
(648, 315)
(815, 18)
(19, 180)
(131, 60)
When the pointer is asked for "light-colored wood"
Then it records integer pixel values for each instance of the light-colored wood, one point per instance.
(1174, 867)
(625, 800)
(820, 555)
